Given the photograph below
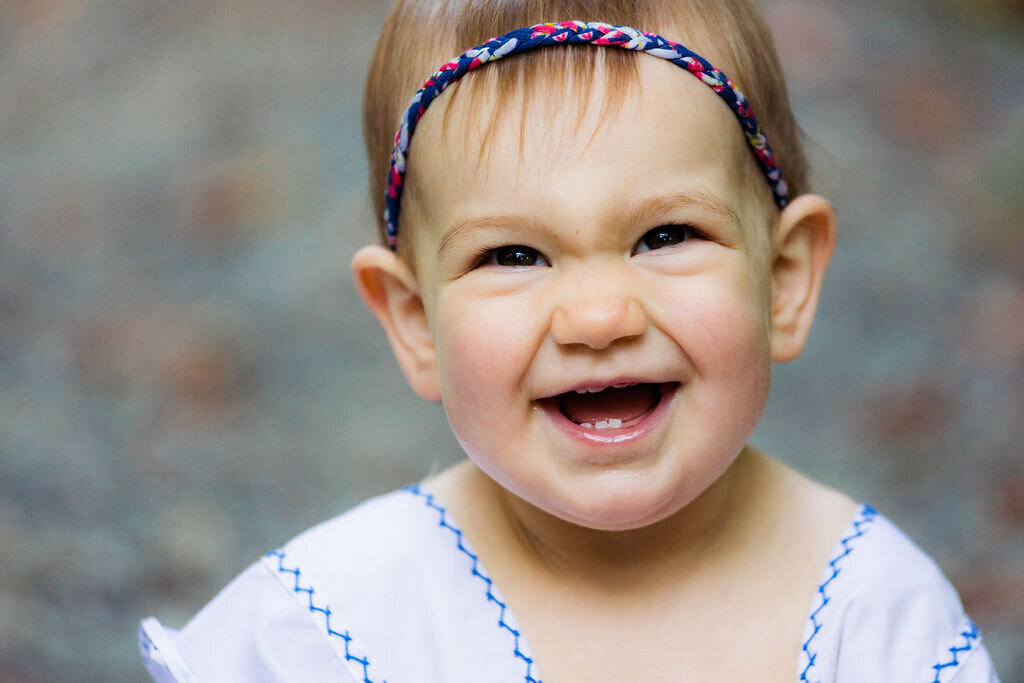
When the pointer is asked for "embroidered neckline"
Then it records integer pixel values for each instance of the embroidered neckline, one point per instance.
(859, 526)
(325, 611)
(478, 571)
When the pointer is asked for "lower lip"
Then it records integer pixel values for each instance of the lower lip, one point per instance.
(614, 437)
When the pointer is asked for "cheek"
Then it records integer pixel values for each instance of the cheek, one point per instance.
(483, 350)
(726, 334)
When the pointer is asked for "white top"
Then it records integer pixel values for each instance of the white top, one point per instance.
(391, 592)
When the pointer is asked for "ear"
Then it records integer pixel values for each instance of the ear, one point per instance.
(801, 249)
(390, 290)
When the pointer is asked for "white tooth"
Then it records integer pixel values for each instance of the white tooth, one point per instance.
(614, 423)
(621, 386)
(603, 424)
(581, 391)
(595, 390)
(587, 425)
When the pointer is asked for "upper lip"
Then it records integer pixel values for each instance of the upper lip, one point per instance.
(599, 384)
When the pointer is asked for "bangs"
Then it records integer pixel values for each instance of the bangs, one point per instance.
(506, 92)
(569, 70)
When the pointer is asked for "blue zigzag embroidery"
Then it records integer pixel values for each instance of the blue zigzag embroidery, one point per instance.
(478, 572)
(865, 516)
(970, 636)
(325, 611)
(146, 643)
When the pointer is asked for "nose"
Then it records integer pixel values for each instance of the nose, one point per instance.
(598, 318)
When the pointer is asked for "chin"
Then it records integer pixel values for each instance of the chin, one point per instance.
(627, 502)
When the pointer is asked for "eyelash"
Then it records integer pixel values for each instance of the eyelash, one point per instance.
(684, 233)
(680, 232)
(491, 256)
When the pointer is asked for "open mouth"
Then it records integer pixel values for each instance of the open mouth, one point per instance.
(611, 408)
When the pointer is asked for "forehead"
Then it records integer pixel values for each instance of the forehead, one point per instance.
(558, 145)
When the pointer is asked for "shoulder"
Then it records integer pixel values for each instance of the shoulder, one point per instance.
(885, 611)
(273, 616)
(386, 591)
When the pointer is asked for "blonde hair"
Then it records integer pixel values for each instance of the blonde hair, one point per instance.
(419, 35)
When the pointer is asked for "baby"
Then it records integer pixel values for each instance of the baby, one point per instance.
(596, 251)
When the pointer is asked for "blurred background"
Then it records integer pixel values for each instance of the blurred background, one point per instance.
(187, 378)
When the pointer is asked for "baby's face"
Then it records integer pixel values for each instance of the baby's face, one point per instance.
(599, 303)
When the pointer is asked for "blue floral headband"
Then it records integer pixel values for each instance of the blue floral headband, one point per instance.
(574, 32)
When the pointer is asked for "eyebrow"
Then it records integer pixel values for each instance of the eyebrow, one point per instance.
(697, 198)
(644, 211)
(475, 222)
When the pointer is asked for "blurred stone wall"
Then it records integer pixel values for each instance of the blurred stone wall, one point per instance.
(187, 378)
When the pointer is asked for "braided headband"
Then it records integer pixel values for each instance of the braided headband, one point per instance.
(581, 33)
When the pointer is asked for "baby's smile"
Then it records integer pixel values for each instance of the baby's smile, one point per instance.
(618, 406)
(606, 414)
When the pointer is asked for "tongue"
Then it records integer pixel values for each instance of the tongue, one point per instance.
(624, 404)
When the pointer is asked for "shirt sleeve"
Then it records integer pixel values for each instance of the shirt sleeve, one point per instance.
(965, 660)
(254, 629)
(900, 619)
(161, 657)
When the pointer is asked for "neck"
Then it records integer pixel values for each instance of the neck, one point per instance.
(691, 537)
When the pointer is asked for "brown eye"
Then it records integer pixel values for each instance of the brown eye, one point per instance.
(664, 236)
(516, 255)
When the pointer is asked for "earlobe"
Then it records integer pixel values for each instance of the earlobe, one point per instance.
(390, 290)
(801, 250)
